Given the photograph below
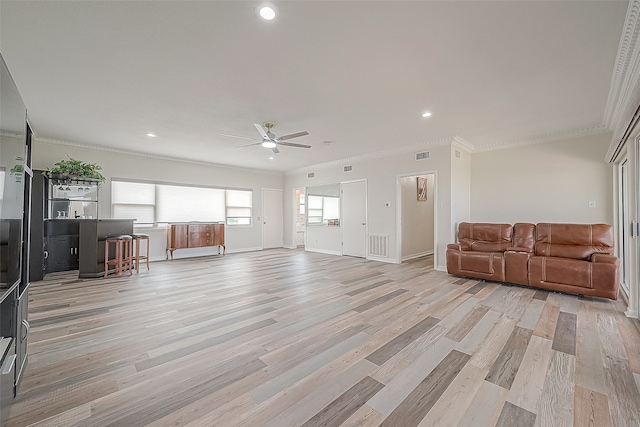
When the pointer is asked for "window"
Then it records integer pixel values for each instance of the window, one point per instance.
(179, 203)
(302, 204)
(238, 207)
(323, 210)
(133, 200)
(149, 203)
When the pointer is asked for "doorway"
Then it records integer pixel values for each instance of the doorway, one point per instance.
(299, 215)
(417, 217)
(272, 226)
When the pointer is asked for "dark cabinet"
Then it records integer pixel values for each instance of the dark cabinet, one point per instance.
(22, 325)
(63, 242)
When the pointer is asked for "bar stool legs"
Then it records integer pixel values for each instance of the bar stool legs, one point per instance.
(137, 239)
(123, 254)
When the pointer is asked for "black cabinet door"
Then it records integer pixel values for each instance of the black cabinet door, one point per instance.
(21, 337)
(60, 250)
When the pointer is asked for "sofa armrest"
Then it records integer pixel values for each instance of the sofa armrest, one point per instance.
(457, 247)
(519, 249)
(605, 258)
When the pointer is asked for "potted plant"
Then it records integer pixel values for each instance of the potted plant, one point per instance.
(17, 170)
(75, 169)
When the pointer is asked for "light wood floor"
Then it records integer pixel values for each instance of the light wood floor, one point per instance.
(288, 338)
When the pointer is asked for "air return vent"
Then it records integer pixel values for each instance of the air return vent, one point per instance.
(422, 156)
(379, 245)
(311, 175)
(457, 154)
(348, 168)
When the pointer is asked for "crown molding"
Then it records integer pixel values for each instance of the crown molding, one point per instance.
(52, 141)
(540, 139)
(440, 142)
(463, 144)
(624, 91)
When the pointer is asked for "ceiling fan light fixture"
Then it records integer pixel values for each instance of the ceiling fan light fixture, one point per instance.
(268, 144)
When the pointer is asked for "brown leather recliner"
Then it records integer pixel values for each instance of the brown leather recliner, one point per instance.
(480, 250)
(575, 258)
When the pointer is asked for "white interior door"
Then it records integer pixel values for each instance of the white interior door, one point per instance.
(354, 218)
(272, 218)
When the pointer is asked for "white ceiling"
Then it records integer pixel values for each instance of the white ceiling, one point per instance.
(358, 74)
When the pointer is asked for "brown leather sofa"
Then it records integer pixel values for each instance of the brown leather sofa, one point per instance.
(573, 258)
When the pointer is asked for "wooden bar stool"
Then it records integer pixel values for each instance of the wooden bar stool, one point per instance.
(137, 240)
(123, 254)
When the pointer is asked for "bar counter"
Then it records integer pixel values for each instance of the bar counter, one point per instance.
(93, 233)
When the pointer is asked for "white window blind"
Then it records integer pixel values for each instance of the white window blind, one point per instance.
(176, 203)
(239, 203)
(133, 200)
(149, 203)
(331, 208)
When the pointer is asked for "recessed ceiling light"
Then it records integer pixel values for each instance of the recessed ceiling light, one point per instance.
(426, 114)
(151, 135)
(267, 13)
(271, 158)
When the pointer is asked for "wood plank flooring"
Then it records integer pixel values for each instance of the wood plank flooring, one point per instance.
(290, 338)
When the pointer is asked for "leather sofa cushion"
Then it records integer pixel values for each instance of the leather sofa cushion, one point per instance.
(484, 237)
(479, 262)
(524, 236)
(575, 241)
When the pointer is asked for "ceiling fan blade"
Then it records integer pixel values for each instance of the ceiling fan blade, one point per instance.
(263, 134)
(250, 145)
(275, 150)
(291, 144)
(292, 135)
(238, 136)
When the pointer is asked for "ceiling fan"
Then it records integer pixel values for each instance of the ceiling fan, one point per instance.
(269, 140)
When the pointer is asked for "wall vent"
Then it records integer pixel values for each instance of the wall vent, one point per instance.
(348, 168)
(311, 175)
(379, 245)
(422, 156)
(457, 154)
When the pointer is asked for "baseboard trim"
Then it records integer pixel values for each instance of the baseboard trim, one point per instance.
(323, 251)
(290, 247)
(380, 259)
(418, 255)
(441, 268)
(235, 251)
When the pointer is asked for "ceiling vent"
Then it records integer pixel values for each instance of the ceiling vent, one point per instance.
(311, 175)
(422, 156)
(348, 168)
(457, 154)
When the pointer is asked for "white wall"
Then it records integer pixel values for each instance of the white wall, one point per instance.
(549, 182)
(417, 217)
(460, 188)
(116, 165)
(381, 174)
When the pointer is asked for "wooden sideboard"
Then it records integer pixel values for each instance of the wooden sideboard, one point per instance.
(195, 235)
